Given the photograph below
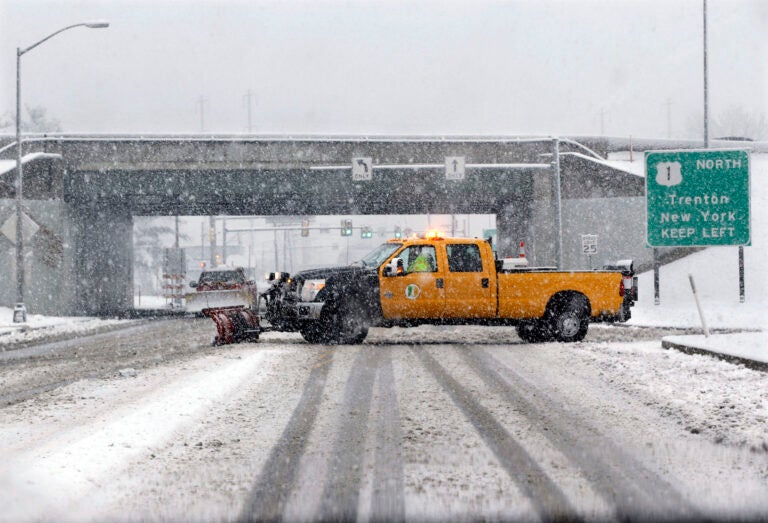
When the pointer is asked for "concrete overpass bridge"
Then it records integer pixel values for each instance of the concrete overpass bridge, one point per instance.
(80, 259)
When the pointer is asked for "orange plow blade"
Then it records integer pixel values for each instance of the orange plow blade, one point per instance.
(234, 324)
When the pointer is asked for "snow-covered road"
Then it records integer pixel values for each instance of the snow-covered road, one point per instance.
(430, 422)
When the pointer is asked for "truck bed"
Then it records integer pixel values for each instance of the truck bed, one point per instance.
(517, 301)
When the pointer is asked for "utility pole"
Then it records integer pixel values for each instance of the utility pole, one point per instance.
(248, 97)
(277, 251)
(202, 101)
(224, 240)
(253, 267)
(668, 103)
(180, 269)
(706, 83)
(212, 238)
(602, 122)
(558, 202)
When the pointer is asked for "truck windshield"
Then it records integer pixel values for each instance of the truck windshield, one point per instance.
(379, 255)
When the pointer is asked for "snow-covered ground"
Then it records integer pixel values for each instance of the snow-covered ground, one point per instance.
(38, 326)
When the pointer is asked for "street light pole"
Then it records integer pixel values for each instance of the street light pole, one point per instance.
(20, 311)
(706, 81)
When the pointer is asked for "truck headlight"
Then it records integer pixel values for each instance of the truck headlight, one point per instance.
(310, 289)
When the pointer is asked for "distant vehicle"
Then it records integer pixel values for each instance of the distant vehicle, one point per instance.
(222, 286)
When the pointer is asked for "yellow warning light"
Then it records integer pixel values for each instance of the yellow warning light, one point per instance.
(433, 234)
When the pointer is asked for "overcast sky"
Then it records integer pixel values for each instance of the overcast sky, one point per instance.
(388, 67)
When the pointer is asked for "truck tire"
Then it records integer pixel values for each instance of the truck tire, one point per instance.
(314, 332)
(535, 331)
(353, 323)
(569, 320)
(346, 324)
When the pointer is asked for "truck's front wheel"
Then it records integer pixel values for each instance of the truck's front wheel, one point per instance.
(352, 323)
(346, 324)
(314, 332)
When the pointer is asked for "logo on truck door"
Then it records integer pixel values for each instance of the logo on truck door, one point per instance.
(412, 291)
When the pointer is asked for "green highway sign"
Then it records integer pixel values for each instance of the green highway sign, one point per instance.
(697, 198)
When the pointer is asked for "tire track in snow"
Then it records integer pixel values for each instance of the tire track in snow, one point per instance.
(633, 489)
(342, 489)
(268, 497)
(388, 502)
(546, 497)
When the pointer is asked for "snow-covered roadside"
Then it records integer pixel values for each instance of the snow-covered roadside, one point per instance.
(38, 327)
(744, 346)
(725, 403)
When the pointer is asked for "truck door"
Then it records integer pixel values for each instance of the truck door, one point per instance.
(469, 284)
(419, 291)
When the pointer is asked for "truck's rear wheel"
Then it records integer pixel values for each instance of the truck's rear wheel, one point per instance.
(569, 320)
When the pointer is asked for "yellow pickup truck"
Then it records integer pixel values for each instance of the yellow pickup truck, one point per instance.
(447, 281)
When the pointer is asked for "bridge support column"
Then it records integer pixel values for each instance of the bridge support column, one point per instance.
(104, 261)
(49, 278)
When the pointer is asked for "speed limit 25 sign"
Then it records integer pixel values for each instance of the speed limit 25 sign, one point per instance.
(589, 243)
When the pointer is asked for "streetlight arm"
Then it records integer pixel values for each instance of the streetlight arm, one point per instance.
(92, 25)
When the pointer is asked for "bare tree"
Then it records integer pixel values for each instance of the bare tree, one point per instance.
(734, 121)
(737, 121)
(36, 121)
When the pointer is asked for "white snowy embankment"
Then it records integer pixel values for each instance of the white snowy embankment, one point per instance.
(716, 275)
(38, 326)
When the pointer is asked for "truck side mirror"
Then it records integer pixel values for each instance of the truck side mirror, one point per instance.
(193, 284)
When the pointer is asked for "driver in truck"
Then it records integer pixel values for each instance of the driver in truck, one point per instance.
(422, 262)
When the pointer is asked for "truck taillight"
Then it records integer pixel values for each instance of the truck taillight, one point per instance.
(621, 288)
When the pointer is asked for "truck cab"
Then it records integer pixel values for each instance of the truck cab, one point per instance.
(455, 283)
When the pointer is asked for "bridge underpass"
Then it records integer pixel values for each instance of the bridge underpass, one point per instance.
(90, 201)
(262, 244)
(112, 201)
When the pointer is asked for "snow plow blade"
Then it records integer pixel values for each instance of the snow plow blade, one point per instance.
(234, 324)
(198, 301)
